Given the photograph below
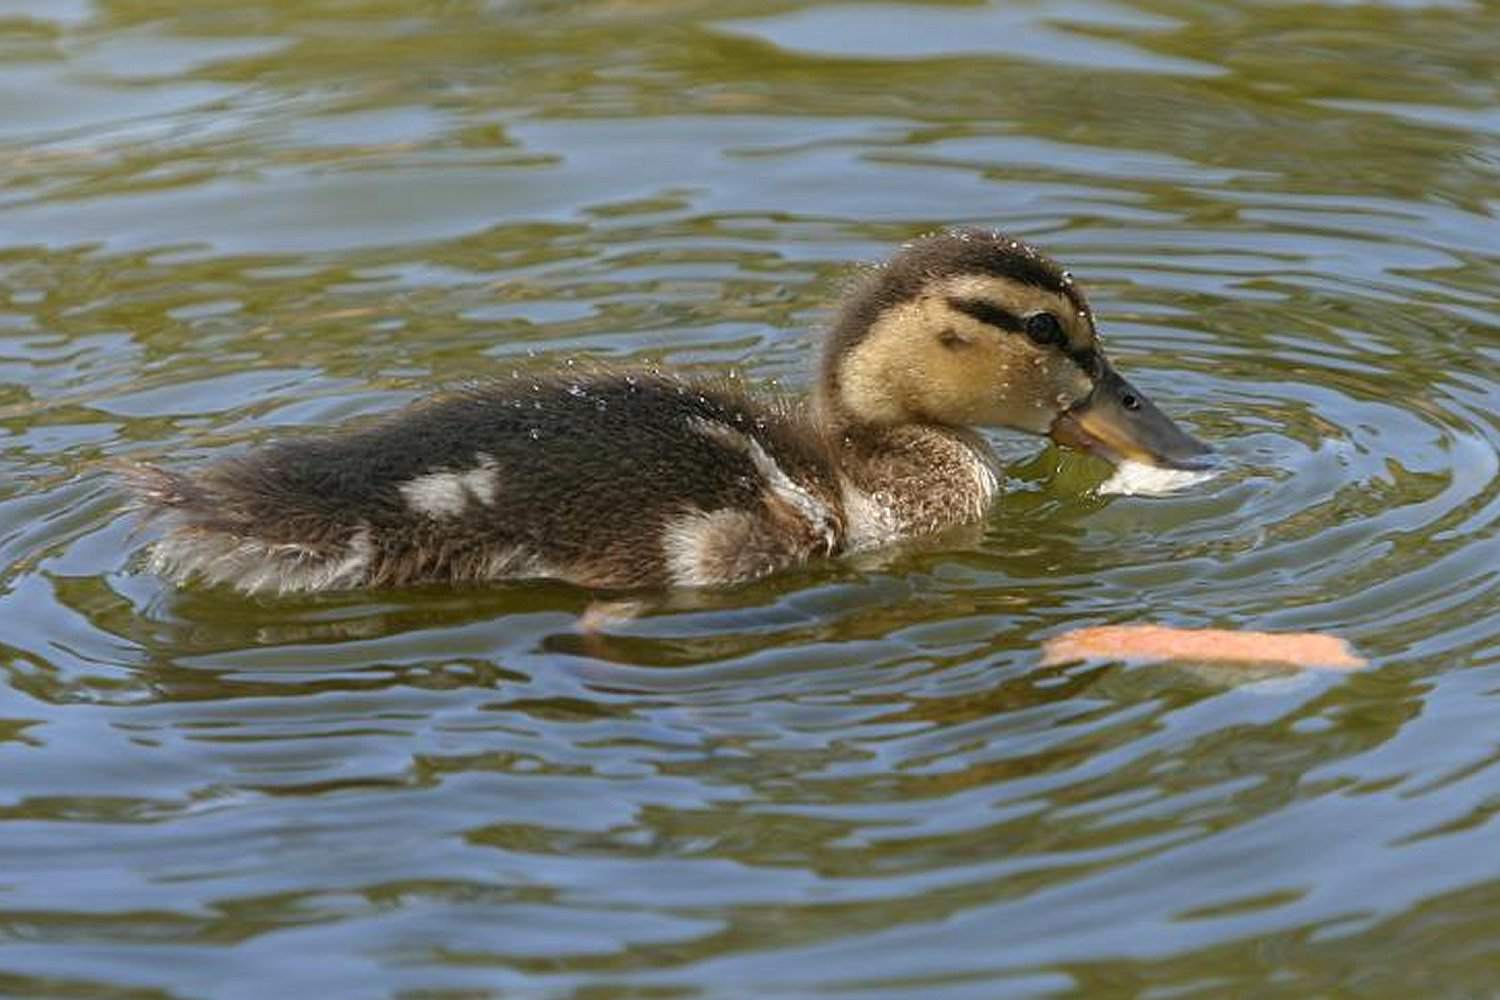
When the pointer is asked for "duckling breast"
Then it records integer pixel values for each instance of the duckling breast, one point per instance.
(913, 480)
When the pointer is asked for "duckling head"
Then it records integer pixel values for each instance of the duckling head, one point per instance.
(974, 328)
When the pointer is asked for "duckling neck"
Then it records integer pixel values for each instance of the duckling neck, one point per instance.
(911, 479)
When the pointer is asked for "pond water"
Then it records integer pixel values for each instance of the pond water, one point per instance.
(223, 223)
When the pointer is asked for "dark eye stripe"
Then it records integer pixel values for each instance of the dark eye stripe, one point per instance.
(988, 312)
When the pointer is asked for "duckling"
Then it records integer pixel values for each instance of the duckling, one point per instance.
(631, 479)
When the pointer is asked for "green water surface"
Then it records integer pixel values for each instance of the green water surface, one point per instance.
(225, 222)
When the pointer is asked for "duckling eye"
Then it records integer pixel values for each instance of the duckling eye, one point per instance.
(1044, 329)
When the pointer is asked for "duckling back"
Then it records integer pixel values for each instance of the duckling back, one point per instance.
(614, 480)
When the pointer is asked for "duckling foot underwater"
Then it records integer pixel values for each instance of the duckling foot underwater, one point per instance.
(623, 479)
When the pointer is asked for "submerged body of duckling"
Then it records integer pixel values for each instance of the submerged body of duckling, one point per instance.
(633, 479)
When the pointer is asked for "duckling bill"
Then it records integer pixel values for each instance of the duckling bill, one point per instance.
(646, 480)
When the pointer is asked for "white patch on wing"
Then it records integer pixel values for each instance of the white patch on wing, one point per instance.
(448, 494)
(815, 511)
(437, 494)
(784, 487)
(484, 479)
(692, 543)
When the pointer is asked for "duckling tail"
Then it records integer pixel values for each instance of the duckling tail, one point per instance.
(212, 538)
(155, 490)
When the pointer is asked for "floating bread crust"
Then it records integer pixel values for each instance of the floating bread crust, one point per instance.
(1209, 645)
